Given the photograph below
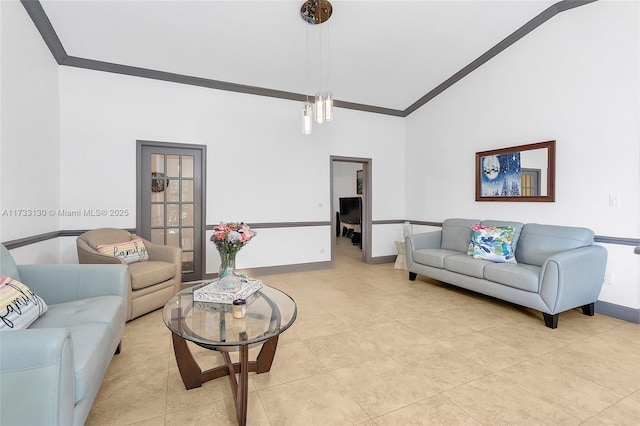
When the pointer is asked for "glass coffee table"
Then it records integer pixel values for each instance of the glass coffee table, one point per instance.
(269, 312)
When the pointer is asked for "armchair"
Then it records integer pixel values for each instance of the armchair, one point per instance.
(151, 282)
(50, 372)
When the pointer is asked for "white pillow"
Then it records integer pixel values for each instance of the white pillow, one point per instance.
(130, 251)
(19, 306)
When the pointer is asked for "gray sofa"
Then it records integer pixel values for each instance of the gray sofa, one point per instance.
(559, 267)
(51, 371)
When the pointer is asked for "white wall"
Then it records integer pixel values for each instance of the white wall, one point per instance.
(29, 166)
(260, 168)
(575, 79)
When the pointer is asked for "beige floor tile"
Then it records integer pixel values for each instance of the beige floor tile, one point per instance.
(573, 325)
(292, 362)
(220, 413)
(353, 315)
(605, 371)
(134, 399)
(531, 337)
(497, 401)
(491, 362)
(211, 392)
(392, 337)
(625, 412)
(608, 344)
(432, 324)
(489, 313)
(311, 326)
(441, 368)
(342, 349)
(626, 329)
(381, 386)
(485, 351)
(579, 397)
(434, 411)
(317, 400)
(154, 421)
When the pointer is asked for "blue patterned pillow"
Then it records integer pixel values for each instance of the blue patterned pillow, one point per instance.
(494, 243)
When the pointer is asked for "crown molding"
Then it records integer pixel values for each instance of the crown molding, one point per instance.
(43, 24)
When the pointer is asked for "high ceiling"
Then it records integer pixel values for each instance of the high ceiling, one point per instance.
(378, 53)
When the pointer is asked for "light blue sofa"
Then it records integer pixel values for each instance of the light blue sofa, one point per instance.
(559, 267)
(51, 372)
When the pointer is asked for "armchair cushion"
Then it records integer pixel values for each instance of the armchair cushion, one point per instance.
(19, 306)
(145, 274)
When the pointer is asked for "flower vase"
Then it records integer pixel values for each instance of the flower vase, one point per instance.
(228, 279)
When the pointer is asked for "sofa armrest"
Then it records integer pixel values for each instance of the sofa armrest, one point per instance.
(64, 283)
(421, 241)
(36, 377)
(573, 278)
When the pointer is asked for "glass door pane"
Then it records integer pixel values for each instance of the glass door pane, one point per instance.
(172, 212)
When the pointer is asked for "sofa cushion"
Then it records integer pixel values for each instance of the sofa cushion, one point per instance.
(455, 234)
(517, 226)
(492, 243)
(432, 257)
(145, 274)
(463, 264)
(103, 309)
(19, 306)
(538, 242)
(520, 276)
(130, 251)
(91, 324)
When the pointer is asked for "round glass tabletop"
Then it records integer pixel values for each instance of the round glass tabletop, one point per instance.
(269, 312)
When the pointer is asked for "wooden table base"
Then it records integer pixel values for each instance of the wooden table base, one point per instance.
(193, 376)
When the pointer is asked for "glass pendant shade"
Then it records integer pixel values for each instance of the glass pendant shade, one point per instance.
(307, 113)
(319, 108)
(328, 106)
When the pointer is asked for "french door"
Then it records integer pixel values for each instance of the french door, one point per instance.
(171, 200)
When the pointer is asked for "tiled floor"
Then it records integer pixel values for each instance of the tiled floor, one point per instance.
(370, 347)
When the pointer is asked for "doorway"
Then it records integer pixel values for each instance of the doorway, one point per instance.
(350, 178)
(170, 201)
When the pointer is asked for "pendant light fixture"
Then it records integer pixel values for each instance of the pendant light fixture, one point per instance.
(307, 112)
(316, 12)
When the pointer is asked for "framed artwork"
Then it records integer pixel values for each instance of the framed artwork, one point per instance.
(517, 173)
(359, 182)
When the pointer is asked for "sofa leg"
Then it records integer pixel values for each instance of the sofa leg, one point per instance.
(412, 276)
(589, 309)
(550, 321)
(118, 348)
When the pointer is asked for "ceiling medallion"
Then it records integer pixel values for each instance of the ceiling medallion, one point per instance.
(316, 11)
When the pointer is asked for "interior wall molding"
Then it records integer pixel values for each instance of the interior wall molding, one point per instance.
(618, 311)
(34, 239)
(43, 24)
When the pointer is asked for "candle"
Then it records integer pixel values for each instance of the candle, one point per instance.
(239, 308)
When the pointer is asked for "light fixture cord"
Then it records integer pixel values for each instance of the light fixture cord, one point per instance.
(328, 57)
(306, 88)
(319, 10)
